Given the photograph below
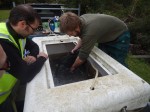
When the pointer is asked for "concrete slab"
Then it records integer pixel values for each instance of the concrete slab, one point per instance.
(117, 88)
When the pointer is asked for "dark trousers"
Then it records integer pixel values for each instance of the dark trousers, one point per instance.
(117, 49)
(6, 106)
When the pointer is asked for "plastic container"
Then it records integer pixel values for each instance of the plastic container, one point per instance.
(56, 23)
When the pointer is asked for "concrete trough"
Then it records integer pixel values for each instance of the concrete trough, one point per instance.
(55, 90)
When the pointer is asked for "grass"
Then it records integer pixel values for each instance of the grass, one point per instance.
(4, 15)
(139, 67)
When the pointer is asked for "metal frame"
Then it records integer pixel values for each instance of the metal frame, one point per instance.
(63, 9)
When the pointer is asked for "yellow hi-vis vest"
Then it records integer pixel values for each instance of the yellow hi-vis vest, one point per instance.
(7, 81)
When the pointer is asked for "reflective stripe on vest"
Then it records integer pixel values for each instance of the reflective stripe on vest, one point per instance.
(5, 35)
(3, 93)
(7, 82)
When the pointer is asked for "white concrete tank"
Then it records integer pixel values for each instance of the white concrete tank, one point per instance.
(115, 87)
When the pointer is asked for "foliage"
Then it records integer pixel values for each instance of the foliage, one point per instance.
(142, 8)
(5, 4)
(140, 32)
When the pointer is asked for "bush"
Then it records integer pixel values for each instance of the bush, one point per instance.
(140, 33)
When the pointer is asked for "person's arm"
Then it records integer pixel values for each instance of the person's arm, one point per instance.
(32, 47)
(88, 43)
(32, 50)
(18, 67)
(77, 46)
(28, 72)
(29, 59)
(76, 64)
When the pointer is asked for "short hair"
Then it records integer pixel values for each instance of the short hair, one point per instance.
(23, 12)
(69, 22)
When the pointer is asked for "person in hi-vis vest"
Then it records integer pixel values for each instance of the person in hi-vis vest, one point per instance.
(5, 85)
(23, 55)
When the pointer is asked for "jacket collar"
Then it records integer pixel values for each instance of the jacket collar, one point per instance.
(12, 32)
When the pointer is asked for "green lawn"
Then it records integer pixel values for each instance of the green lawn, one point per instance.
(4, 15)
(139, 67)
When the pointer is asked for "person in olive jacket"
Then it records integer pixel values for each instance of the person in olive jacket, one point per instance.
(109, 32)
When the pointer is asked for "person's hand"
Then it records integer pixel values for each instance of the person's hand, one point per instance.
(77, 46)
(73, 51)
(78, 62)
(30, 59)
(72, 69)
(43, 55)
